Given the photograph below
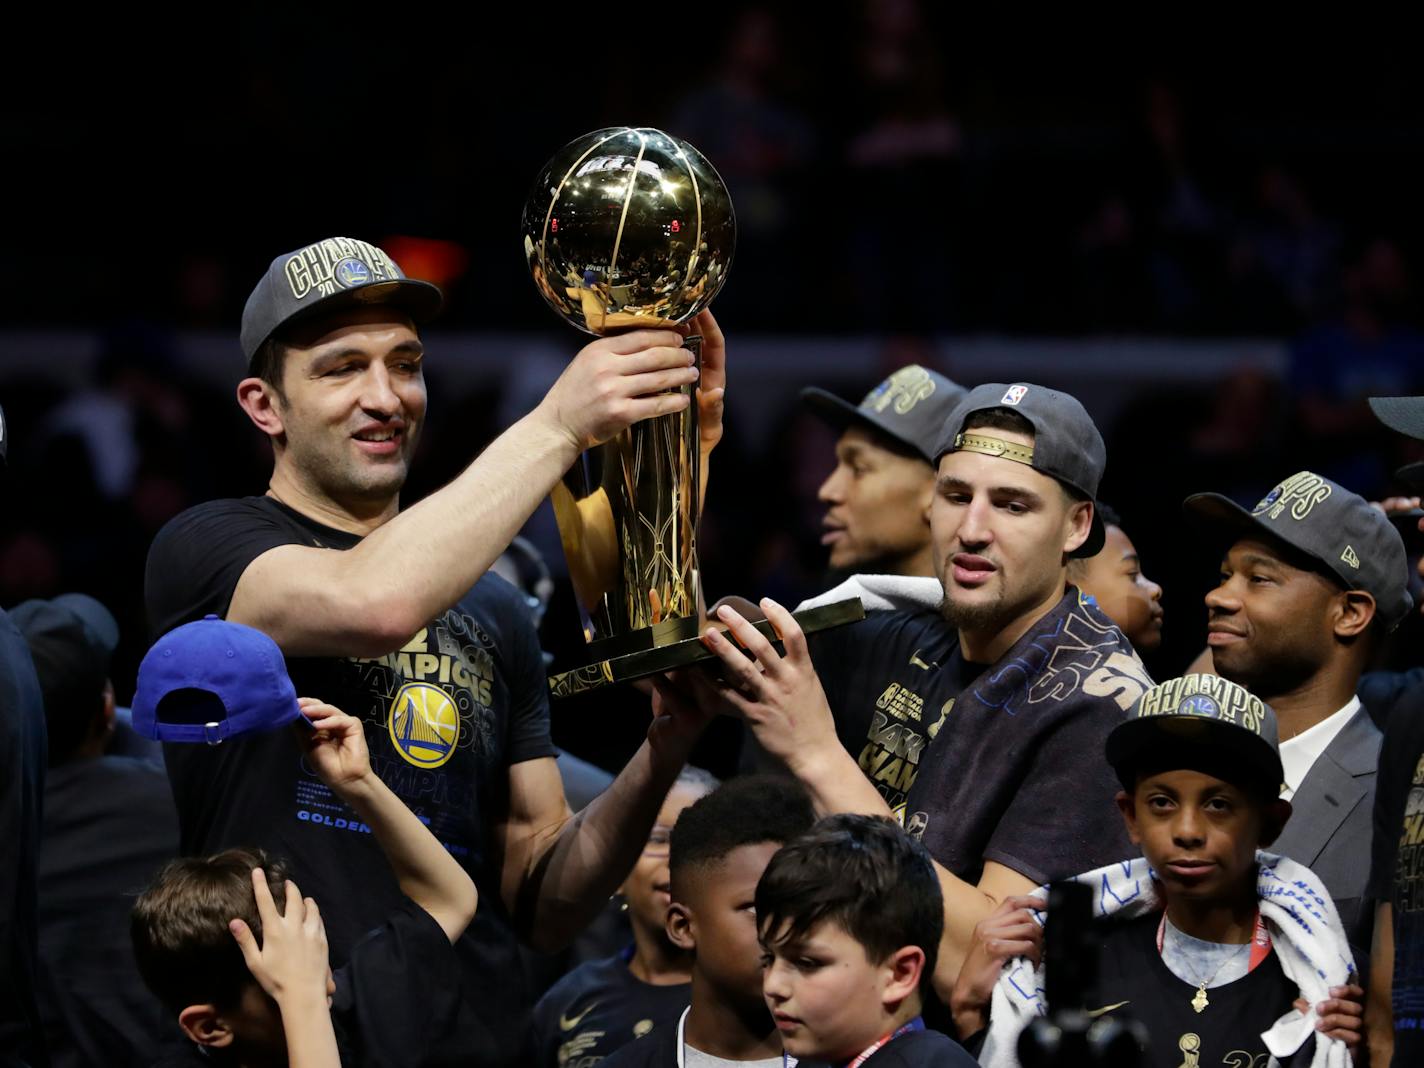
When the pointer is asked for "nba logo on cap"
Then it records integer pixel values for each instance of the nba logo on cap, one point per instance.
(1014, 394)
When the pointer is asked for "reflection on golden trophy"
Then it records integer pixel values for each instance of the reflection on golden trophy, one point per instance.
(626, 229)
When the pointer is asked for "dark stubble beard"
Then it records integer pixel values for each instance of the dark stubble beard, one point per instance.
(974, 617)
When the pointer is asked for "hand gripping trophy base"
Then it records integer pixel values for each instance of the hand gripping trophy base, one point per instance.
(689, 651)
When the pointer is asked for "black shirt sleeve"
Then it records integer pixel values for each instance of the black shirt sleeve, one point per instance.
(399, 992)
(197, 558)
(529, 737)
(1403, 740)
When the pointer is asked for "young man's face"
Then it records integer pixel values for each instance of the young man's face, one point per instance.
(354, 404)
(826, 996)
(878, 501)
(1199, 833)
(1000, 531)
(646, 888)
(721, 910)
(1267, 620)
(1128, 597)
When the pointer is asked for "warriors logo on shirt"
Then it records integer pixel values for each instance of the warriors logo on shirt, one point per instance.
(424, 724)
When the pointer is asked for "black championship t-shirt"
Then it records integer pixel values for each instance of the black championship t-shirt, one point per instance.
(1001, 763)
(1397, 872)
(600, 1007)
(1134, 981)
(446, 715)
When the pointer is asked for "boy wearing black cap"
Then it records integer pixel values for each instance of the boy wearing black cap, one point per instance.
(976, 711)
(1311, 578)
(1220, 950)
(247, 978)
(878, 495)
(389, 613)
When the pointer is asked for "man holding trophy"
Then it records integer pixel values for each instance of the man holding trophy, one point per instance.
(390, 614)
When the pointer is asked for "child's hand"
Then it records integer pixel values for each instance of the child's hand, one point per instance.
(1342, 1016)
(291, 964)
(1009, 931)
(336, 745)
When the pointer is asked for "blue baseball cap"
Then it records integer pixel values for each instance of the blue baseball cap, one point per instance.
(212, 680)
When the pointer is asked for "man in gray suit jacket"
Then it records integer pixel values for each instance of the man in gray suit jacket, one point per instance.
(1311, 578)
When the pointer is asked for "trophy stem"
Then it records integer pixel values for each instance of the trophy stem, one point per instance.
(627, 513)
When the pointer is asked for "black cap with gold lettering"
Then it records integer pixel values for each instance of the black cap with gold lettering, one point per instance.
(1338, 529)
(910, 406)
(1203, 723)
(332, 273)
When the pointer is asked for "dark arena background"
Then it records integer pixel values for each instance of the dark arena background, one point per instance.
(1217, 249)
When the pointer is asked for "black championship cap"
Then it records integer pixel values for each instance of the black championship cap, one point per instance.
(332, 273)
(1066, 443)
(71, 640)
(1406, 415)
(910, 406)
(1354, 541)
(1202, 723)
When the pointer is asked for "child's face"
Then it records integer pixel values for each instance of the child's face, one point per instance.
(1128, 597)
(646, 888)
(828, 999)
(1199, 833)
(722, 915)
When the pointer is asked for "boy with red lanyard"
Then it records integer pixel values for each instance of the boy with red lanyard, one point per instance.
(1225, 953)
(850, 917)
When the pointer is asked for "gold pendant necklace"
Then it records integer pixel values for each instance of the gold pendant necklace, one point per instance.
(1199, 1001)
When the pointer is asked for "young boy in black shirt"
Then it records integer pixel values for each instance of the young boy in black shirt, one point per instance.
(849, 917)
(250, 981)
(720, 847)
(1220, 950)
(602, 1005)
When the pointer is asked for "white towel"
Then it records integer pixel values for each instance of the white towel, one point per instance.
(1305, 931)
(884, 593)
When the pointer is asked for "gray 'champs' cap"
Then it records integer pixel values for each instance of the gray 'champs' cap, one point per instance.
(1198, 722)
(1066, 443)
(910, 406)
(1354, 541)
(332, 273)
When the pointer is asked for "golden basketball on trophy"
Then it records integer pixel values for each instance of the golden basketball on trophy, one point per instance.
(629, 228)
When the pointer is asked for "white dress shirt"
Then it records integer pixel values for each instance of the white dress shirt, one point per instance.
(1299, 753)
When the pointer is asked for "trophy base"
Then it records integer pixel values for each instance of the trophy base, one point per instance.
(654, 661)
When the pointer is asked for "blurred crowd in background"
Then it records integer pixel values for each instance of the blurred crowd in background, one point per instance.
(895, 179)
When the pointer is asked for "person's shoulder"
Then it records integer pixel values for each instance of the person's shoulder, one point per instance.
(589, 974)
(657, 1049)
(495, 592)
(923, 1049)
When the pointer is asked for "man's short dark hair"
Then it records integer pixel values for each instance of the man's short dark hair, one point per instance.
(862, 873)
(184, 949)
(745, 811)
(268, 363)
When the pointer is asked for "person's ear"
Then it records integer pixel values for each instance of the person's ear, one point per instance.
(681, 930)
(902, 971)
(1127, 805)
(206, 1026)
(1355, 610)
(263, 405)
(1080, 525)
(1274, 815)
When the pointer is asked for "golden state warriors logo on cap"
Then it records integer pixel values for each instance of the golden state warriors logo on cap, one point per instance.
(424, 724)
(352, 272)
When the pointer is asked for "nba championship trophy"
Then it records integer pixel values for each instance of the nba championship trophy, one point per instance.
(629, 229)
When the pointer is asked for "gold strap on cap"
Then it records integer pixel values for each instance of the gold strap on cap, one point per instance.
(1009, 450)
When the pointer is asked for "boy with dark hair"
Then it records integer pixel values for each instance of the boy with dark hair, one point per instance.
(719, 849)
(249, 978)
(1222, 951)
(849, 917)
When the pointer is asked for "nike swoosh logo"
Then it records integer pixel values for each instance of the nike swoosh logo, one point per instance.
(915, 661)
(1095, 1013)
(565, 1024)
